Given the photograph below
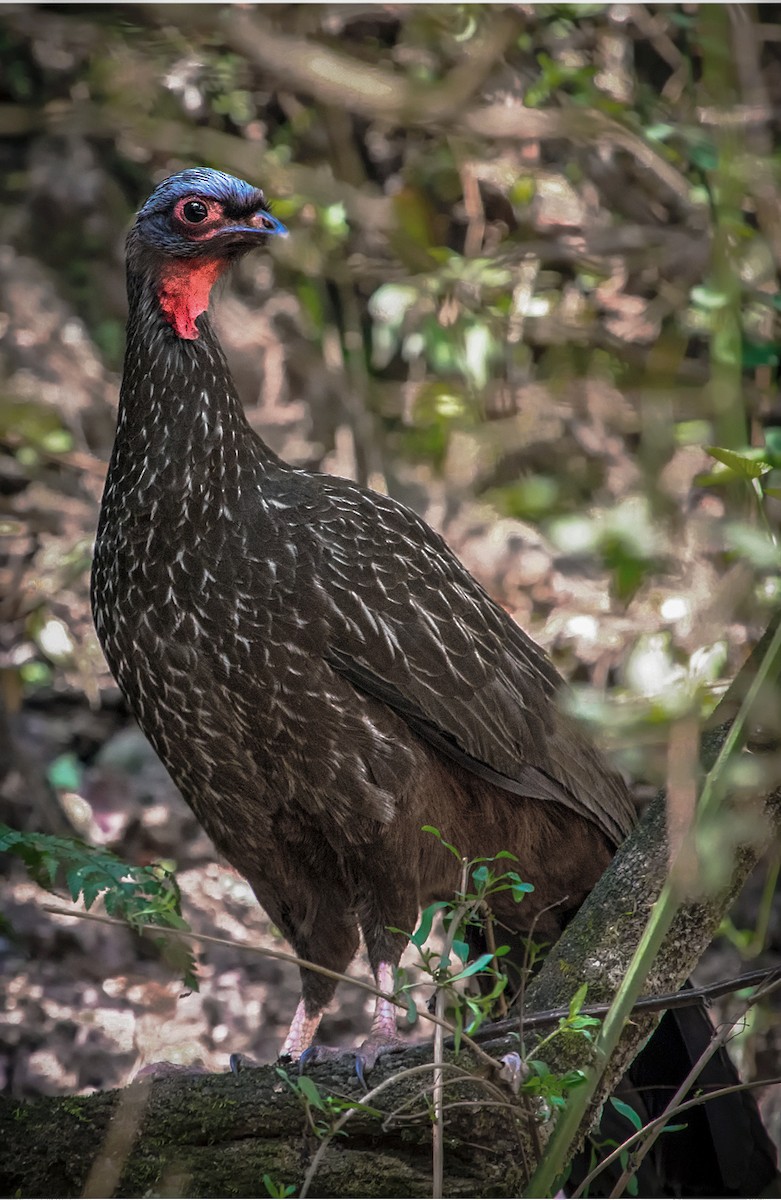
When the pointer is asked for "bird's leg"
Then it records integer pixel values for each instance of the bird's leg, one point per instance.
(384, 1020)
(383, 1038)
(301, 1033)
(299, 1039)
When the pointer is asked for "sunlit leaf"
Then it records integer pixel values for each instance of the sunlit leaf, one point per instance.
(310, 1092)
(747, 465)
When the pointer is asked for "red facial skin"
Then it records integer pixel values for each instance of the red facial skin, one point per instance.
(184, 289)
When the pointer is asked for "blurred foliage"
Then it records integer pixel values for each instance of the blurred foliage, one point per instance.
(142, 896)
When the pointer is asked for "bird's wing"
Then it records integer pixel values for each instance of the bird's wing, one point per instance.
(410, 626)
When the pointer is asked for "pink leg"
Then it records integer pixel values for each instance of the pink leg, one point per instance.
(383, 1037)
(301, 1033)
(384, 1020)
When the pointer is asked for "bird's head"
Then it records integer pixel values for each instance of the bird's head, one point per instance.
(190, 229)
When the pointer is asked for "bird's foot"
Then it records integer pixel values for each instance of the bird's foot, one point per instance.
(374, 1048)
(365, 1056)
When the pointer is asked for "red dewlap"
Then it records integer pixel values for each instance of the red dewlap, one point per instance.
(185, 287)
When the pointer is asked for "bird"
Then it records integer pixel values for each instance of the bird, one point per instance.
(318, 671)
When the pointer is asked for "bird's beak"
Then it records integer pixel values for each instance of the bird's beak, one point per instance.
(263, 222)
(244, 233)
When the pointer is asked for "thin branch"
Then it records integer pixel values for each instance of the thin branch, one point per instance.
(371, 89)
(375, 91)
(282, 956)
(647, 1004)
(367, 1099)
(661, 1121)
(487, 1033)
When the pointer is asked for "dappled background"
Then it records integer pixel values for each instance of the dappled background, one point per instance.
(531, 289)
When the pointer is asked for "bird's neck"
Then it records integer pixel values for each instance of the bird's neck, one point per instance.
(181, 432)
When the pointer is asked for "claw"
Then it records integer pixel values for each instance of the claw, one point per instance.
(241, 1062)
(364, 1058)
(310, 1052)
(360, 1069)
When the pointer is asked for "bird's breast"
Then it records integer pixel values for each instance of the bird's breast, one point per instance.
(220, 652)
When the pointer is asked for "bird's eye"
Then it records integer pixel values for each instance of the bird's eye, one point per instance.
(195, 211)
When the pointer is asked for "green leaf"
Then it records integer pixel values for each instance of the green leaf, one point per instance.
(478, 965)
(704, 155)
(519, 889)
(65, 773)
(138, 895)
(708, 298)
(749, 465)
(309, 1090)
(461, 949)
(438, 836)
(626, 1111)
(576, 1003)
(759, 354)
(659, 132)
(752, 544)
(580, 1023)
(426, 921)
(278, 1190)
(75, 883)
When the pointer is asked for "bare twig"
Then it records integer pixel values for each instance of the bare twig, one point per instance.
(281, 955)
(438, 1132)
(487, 1033)
(577, 125)
(371, 89)
(369, 1098)
(375, 91)
(573, 1121)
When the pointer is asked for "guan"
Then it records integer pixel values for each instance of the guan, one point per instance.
(317, 670)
